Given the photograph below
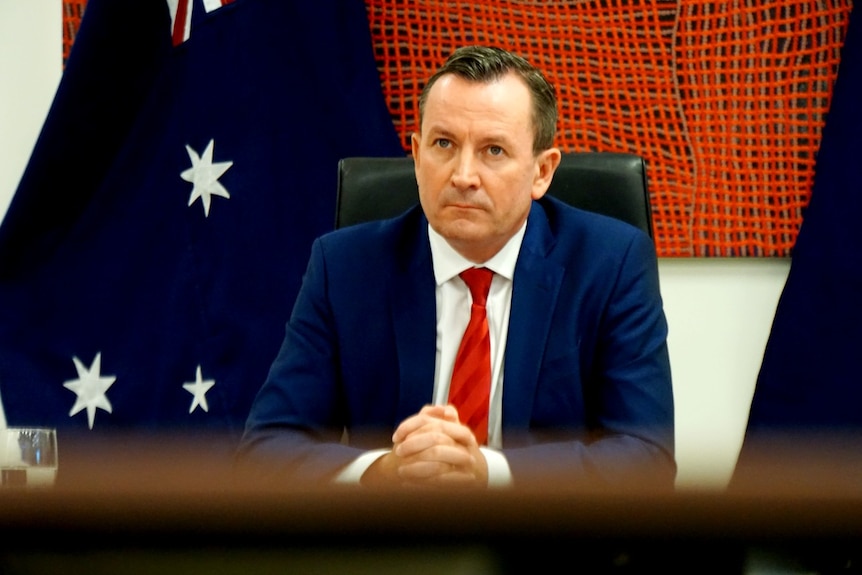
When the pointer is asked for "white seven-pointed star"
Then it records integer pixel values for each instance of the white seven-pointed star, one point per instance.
(199, 389)
(90, 388)
(204, 176)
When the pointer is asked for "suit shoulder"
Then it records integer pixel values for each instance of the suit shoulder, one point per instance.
(565, 219)
(391, 231)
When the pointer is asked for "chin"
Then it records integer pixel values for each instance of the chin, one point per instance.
(463, 230)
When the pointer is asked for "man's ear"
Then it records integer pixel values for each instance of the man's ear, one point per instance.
(414, 147)
(546, 164)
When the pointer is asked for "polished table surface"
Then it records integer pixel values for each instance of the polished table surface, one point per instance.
(171, 506)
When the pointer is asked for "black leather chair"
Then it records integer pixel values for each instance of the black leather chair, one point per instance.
(610, 183)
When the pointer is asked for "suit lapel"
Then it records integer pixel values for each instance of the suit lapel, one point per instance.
(534, 297)
(414, 317)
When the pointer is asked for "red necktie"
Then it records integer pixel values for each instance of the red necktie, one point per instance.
(470, 388)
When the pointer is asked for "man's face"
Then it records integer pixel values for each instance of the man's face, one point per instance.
(475, 166)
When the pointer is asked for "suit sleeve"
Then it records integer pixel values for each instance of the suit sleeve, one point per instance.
(294, 425)
(629, 413)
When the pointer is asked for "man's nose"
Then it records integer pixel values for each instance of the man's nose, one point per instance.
(465, 174)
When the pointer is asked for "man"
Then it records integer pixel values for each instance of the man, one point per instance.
(580, 386)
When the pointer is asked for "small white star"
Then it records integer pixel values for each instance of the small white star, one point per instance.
(90, 388)
(199, 389)
(204, 175)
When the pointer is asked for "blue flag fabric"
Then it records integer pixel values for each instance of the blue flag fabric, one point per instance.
(809, 382)
(151, 254)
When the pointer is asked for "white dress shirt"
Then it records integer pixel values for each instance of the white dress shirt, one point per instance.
(453, 315)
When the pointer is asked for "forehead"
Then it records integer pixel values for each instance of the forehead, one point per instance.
(506, 99)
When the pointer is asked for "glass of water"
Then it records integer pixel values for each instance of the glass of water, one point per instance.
(28, 456)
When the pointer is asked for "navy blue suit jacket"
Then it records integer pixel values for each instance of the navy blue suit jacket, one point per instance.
(586, 385)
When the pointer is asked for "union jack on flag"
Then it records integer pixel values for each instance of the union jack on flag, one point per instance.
(156, 297)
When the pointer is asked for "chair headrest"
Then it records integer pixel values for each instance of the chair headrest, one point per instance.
(609, 183)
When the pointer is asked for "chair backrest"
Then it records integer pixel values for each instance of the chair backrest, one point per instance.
(609, 183)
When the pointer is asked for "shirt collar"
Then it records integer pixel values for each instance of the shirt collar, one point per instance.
(448, 263)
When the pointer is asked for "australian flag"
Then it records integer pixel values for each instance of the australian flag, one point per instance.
(808, 395)
(151, 255)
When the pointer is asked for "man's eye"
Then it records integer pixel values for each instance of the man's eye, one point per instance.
(443, 143)
(495, 150)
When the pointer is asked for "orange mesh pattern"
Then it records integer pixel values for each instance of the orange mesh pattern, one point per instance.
(72, 12)
(724, 100)
(755, 82)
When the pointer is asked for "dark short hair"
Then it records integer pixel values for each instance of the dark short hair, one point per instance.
(487, 64)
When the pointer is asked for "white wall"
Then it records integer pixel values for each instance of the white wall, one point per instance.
(31, 61)
(719, 310)
(719, 313)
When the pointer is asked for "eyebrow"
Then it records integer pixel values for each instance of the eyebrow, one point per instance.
(502, 137)
(438, 131)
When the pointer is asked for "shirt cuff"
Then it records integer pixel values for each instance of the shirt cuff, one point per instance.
(499, 473)
(351, 474)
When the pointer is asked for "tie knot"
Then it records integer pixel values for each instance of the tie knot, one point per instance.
(479, 282)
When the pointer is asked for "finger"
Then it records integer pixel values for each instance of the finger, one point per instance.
(447, 412)
(421, 470)
(430, 469)
(410, 425)
(418, 450)
(435, 433)
(428, 415)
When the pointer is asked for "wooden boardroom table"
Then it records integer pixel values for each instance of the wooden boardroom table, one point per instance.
(163, 508)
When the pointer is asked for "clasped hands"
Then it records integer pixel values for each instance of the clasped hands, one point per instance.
(430, 449)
